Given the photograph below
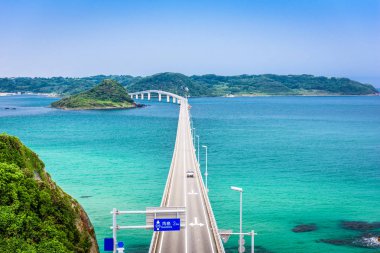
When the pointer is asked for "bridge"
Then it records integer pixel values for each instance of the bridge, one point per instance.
(200, 233)
(184, 202)
(141, 94)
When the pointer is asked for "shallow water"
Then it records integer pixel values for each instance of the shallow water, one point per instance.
(300, 160)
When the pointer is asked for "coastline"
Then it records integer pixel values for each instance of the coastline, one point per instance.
(300, 95)
(56, 95)
(99, 108)
(94, 108)
(52, 95)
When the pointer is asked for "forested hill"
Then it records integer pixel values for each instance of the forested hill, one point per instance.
(109, 94)
(205, 85)
(36, 215)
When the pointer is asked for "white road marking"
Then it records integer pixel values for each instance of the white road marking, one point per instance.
(184, 134)
(198, 183)
(192, 192)
(174, 161)
(196, 223)
(205, 215)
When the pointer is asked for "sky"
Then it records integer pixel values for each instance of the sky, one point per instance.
(78, 38)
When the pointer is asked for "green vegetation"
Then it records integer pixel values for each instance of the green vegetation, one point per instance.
(205, 85)
(60, 85)
(108, 94)
(282, 85)
(36, 216)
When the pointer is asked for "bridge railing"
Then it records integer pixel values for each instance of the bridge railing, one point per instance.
(154, 241)
(210, 213)
(160, 92)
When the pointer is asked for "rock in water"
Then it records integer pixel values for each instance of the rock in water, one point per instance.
(360, 225)
(304, 228)
(364, 241)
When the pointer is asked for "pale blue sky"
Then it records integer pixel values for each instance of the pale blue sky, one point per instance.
(90, 37)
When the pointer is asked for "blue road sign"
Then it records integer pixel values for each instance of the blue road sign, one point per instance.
(167, 224)
(108, 244)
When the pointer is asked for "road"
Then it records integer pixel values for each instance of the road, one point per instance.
(200, 232)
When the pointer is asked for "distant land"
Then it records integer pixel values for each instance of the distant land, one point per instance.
(109, 94)
(205, 85)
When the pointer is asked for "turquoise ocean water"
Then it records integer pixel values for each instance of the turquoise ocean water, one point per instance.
(299, 160)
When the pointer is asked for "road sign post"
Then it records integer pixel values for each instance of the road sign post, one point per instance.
(253, 242)
(225, 234)
(108, 244)
(120, 247)
(169, 219)
(114, 229)
(161, 225)
(241, 244)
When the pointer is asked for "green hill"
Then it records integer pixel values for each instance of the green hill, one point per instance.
(282, 85)
(213, 85)
(171, 82)
(36, 216)
(59, 85)
(205, 85)
(109, 94)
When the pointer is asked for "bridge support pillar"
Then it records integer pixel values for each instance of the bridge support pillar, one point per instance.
(174, 100)
(142, 95)
(131, 95)
(167, 98)
(159, 97)
(137, 96)
(178, 101)
(148, 95)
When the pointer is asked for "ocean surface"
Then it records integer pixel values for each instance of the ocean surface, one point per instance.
(300, 160)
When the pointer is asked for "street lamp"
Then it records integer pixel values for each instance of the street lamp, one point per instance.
(193, 136)
(241, 213)
(206, 173)
(198, 149)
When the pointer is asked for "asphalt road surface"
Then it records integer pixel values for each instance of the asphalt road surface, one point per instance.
(189, 192)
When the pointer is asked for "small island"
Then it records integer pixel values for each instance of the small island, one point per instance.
(109, 94)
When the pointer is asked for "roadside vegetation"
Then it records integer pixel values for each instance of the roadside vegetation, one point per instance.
(36, 216)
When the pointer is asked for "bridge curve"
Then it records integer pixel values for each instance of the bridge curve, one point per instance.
(141, 94)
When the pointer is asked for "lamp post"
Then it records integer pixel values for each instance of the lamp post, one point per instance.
(198, 149)
(206, 173)
(241, 214)
(193, 136)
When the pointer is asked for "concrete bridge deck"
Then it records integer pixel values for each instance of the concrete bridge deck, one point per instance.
(200, 233)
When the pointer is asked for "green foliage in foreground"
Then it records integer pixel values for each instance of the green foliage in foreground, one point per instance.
(35, 214)
(108, 94)
(205, 85)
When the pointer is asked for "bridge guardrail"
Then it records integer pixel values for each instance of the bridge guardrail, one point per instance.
(210, 213)
(153, 243)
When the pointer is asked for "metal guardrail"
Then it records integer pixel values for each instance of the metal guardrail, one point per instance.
(154, 241)
(210, 213)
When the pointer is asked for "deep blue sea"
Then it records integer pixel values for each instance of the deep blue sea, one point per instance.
(300, 160)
